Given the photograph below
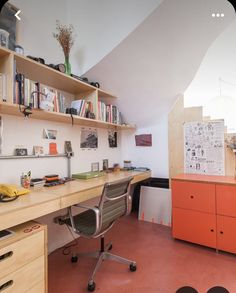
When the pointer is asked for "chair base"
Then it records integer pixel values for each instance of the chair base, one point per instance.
(102, 255)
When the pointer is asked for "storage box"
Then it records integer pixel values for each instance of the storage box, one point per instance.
(88, 175)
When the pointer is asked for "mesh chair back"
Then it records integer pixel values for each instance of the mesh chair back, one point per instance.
(114, 202)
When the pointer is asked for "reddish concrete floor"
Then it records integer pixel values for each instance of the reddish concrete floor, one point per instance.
(164, 264)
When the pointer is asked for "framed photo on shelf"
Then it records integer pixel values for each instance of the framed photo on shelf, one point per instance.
(95, 167)
(105, 164)
(38, 150)
(21, 152)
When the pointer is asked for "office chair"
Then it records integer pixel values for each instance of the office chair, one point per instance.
(115, 202)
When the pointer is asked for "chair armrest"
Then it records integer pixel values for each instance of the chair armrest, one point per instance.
(94, 209)
(129, 204)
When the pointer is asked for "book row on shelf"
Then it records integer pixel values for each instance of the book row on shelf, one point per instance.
(109, 113)
(3, 87)
(27, 92)
(30, 93)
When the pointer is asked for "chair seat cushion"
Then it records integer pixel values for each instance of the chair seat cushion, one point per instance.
(85, 222)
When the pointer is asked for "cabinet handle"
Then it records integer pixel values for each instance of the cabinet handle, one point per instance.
(6, 285)
(191, 196)
(212, 230)
(221, 232)
(6, 255)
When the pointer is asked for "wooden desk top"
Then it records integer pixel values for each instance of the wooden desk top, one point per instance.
(228, 180)
(40, 202)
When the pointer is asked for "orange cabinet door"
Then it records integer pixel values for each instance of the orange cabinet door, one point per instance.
(196, 227)
(194, 196)
(226, 233)
(226, 200)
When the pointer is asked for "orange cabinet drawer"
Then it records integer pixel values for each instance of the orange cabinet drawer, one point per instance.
(226, 236)
(196, 227)
(194, 196)
(226, 200)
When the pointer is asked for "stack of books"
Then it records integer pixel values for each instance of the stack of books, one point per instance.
(3, 87)
(24, 88)
(83, 107)
(37, 182)
(109, 113)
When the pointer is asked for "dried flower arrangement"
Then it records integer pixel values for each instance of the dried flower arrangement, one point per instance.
(65, 37)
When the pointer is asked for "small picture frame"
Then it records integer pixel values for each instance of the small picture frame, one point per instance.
(21, 152)
(38, 150)
(49, 134)
(68, 147)
(105, 164)
(95, 167)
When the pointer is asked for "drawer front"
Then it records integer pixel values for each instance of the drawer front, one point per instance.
(226, 236)
(24, 278)
(194, 196)
(196, 227)
(226, 200)
(38, 288)
(21, 252)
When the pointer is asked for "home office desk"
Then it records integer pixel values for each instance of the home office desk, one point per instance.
(50, 199)
(24, 255)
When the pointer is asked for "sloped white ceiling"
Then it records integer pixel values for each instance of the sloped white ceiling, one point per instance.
(159, 59)
(101, 25)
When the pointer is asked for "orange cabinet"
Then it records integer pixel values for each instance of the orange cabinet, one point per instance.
(226, 236)
(194, 226)
(204, 210)
(194, 196)
(226, 200)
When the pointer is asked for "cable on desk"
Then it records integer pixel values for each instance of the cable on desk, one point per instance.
(67, 249)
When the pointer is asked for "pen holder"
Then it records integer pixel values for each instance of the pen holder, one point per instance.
(25, 180)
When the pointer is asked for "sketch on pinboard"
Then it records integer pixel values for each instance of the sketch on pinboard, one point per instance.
(89, 138)
(112, 138)
(204, 148)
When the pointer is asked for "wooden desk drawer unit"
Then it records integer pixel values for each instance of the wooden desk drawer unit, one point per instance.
(21, 252)
(24, 278)
(23, 258)
(194, 196)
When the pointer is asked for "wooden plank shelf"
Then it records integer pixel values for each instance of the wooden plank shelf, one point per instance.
(52, 78)
(13, 109)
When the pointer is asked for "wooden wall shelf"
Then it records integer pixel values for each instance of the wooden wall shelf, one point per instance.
(12, 109)
(41, 73)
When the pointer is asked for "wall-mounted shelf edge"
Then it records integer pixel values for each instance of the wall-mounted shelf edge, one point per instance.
(12, 157)
(13, 109)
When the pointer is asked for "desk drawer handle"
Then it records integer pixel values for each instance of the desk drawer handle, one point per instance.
(221, 232)
(6, 255)
(212, 230)
(191, 196)
(6, 285)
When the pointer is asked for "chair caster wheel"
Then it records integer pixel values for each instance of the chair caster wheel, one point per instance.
(74, 258)
(133, 267)
(91, 286)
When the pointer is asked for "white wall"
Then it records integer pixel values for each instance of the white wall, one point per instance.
(102, 25)
(18, 131)
(35, 30)
(154, 157)
(99, 25)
